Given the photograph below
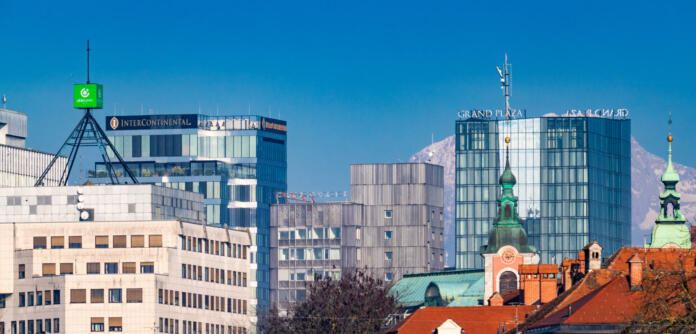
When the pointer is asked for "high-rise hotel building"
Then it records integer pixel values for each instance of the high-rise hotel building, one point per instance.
(574, 183)
(236, 162)
(119, 258)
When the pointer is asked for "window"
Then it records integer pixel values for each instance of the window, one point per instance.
(43, 200)
(56, 298)
(47, 295)
(387, 213)
(155, 240)
(93, 268)
(134, 295)
(21, 271)
(388, 256)
(128, 267)
(57, 242)
(388, 277)
(96, 296)
(75, 241)
(357, 233)
(137, 241)
(56, 325)
(119, 241)
(115, 324)
(78, 296)
(97, 324)
(387, 235)
(147, 267)
(30, 299)
(39, 298)
(101, 241)
(111, 268)
(39, 242)
(48, 269)
(114, 295)
(66, 268)
(14, 200)
(131, 208)
(22, 300)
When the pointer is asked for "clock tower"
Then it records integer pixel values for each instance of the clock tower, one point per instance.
(507, 246)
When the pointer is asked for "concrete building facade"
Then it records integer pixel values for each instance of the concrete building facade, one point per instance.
(19, 166)
(140, 261)
(392, 226)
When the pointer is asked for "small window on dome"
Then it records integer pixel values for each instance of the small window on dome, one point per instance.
(508, 211)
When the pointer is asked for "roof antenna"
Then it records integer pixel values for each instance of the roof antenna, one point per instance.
(505, 84)
(4, 101)
(88, 61)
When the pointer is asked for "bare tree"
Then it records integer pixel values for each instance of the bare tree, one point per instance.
(357, 303)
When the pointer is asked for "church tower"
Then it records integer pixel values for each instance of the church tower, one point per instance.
(507, 246)
(670, 230)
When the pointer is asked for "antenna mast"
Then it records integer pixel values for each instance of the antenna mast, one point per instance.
(505, 84)
(88, 61)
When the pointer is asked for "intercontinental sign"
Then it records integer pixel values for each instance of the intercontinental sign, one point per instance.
(151, 122)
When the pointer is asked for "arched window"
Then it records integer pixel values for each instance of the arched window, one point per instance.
(508, 211)
(508, 282)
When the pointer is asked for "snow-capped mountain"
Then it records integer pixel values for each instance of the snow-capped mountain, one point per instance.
(646, 169)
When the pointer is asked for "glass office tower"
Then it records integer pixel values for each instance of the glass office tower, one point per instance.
(574, 183)
(236, 162)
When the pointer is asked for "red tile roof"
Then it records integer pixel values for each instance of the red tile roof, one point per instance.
(472, 319)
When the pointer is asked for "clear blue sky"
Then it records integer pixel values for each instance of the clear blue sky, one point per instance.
(357, 81)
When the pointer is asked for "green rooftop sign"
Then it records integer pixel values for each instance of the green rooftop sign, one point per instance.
(88, 96)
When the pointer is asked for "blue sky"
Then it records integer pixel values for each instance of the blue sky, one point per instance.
(356, 81)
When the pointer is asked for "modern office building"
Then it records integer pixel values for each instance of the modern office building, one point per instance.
(236, 162)
(123, 258)
(574, 183)
(392, 226)
(19, 166)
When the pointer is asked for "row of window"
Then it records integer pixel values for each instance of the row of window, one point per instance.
(100, 241)
(311, 233)
(213, 247)
(49, 269)
(213, 275)
(96, 296)
(38, 298)
(203, 302)
(115, 324)
(40, 200)
(193, 327)
(32, 326)
(310, 254)
(185, 145)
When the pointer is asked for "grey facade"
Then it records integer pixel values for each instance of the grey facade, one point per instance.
(19, 166)
(392, 226)
(574, 183)
(13, 128)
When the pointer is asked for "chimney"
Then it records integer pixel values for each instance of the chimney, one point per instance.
(593, 256)
(635, 272)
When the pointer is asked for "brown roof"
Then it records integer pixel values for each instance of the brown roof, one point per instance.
(472, 319)
(538, 269)
(604, 296)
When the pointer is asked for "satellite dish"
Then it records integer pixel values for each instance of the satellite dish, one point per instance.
(80, 206)
(84, 215)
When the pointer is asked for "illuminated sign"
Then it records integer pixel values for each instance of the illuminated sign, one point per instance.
(151, 122)
(88, 96)
(274, 125)
(619, 113)
(492, 114)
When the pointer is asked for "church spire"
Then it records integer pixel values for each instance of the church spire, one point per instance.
(670, 230)
(507, 229)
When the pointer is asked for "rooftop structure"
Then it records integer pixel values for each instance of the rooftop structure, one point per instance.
(13, 128)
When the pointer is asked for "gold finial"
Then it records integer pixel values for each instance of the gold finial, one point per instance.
(669, 138)
(507, 140)
(669, 123)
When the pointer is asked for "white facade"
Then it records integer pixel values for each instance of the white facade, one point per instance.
(134, 275)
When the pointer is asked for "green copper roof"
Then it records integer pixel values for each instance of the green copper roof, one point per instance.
(669, 226)
(665, 234)
(455, 287)
(507, 229)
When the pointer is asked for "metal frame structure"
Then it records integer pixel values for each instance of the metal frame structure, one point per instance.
(88, 133)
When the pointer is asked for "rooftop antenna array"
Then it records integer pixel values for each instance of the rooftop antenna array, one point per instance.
(505, 84)
(88, 133)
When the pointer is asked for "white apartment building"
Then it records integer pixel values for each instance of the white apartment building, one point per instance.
(118, 258)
